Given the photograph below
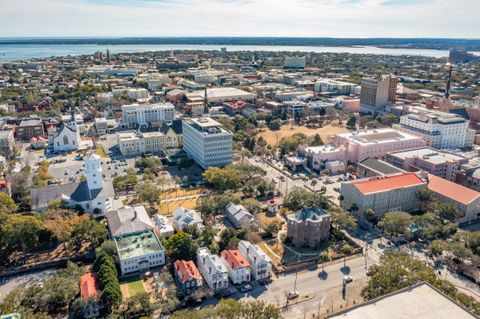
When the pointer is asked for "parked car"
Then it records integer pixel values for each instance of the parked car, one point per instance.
(246, 287)
(347, 279)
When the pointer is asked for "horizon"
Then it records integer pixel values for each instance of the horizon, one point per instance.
(399, 19)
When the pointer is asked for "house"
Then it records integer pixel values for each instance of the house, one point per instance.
(187, 276)
(138, 246)
(94, 195)
(382, 194)
(260, 263)
(183, 217)
(212, 270)
(28, 129)
(163, 226)
(238, 216)
(89, 287)
(6, 187)
(308, 227)
(237, 266)
(464, 199)
(173, 134)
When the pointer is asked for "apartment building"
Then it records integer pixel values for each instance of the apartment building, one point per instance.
(212, 270)
(28, 129)
(295, 62)
(134, 115)
(440, 130)
(377, 93)
(317, 155)
(137, 143)
(137, 94)
(382, 194)
(308, 227)
(260, 263)
(237, 266)
(7, 142)
(442, 164)
(207, 142)
(376, 143)
(334, 87)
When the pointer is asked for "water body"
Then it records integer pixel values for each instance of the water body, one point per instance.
(14, 52)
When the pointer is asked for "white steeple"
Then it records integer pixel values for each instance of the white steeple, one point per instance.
(94, 172)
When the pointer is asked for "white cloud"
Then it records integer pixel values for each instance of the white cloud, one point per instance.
(335, 18)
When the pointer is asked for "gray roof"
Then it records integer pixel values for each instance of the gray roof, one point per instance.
(128, 220)
(185, 217)
(312, 214)
(77, 192)
(238, 215)
(30, 122)
(380, 166)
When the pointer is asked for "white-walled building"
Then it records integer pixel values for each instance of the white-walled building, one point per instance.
(212, 270)
(238, 215)
(147, 114)
(237, 266)
(295, 62)
(317, 155)
(335, 87)
(67, 137)
(183, 217)
(226, 94)
(138, 94)
(441, 130)
(138, 246)
(362, 144)
(260, 263)
(163, 225)
(207, 142)
(137, 143)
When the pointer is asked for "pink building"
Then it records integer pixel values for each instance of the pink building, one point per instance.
(351, 105)
(360, 145)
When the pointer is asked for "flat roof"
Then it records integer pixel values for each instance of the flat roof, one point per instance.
(429, 155)
(381, 184)
(452, 190)
(417, 301)
(377, 136)
(380, 166)
(142, 244)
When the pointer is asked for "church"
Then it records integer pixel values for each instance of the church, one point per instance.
(94, 195)
(67, 137)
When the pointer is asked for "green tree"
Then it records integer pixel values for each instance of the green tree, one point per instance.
(352, 121)
(181, 246)
(317, 140)
(299, 198)
(222, 179)
(395, 223)
(341, 219)
(273, 228)
(22, 231)
(252, 205)
(89, 232)
(148, 192)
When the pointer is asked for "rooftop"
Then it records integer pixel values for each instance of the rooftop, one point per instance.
(313, 213)
(429, 155)
(376, 136)
(382, 184)
(132, 246)
(452, 190)
(418, 301)
(380, 166)
(234, 258)
(89, 285)
(187, 270)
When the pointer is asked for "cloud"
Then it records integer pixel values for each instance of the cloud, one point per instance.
(317, 18)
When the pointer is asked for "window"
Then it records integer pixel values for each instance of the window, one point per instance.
(65, 140)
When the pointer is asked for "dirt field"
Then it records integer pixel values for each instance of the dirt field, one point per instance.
(169, 207)
(273, 137)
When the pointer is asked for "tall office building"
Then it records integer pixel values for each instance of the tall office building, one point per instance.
(377, 93)
(207, 142)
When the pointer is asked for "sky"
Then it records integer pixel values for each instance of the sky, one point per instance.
(289, 18)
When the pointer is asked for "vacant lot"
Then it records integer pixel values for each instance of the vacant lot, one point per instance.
(166, 208)
(273, 137)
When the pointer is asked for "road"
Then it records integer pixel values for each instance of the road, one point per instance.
(316, 284)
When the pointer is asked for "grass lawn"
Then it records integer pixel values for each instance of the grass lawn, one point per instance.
(131, 286)
(273, 137)
(100, 151)
(168, 208)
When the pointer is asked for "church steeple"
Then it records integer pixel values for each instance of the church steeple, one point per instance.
(94, 172)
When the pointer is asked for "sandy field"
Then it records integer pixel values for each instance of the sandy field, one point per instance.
(273, 137)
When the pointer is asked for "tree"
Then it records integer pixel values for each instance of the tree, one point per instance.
(437, 247)
(230, 237)
(22, 231)
(273, 228)
(299, 198)
(317, 140)
(222, 179)
(352, 121)
(181, 246)
(148, 192)
(7, 204)
(126, 181)
(395, 223)
(341, 219)
(89, 232)
(252, 205)
(445, 211)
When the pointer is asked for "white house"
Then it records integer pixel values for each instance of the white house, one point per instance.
(138, 246)
(183, 217)
(260, 263)
(212, 270)
(95, 195)
(164, 227)
(237, 266)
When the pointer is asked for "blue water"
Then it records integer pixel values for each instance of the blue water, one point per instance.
(15, 52)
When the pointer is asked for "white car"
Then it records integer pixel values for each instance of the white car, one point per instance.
(347, 279)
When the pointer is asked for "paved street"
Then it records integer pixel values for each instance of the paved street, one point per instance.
(313, 283)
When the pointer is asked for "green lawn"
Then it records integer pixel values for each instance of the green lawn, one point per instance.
(134, 284)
